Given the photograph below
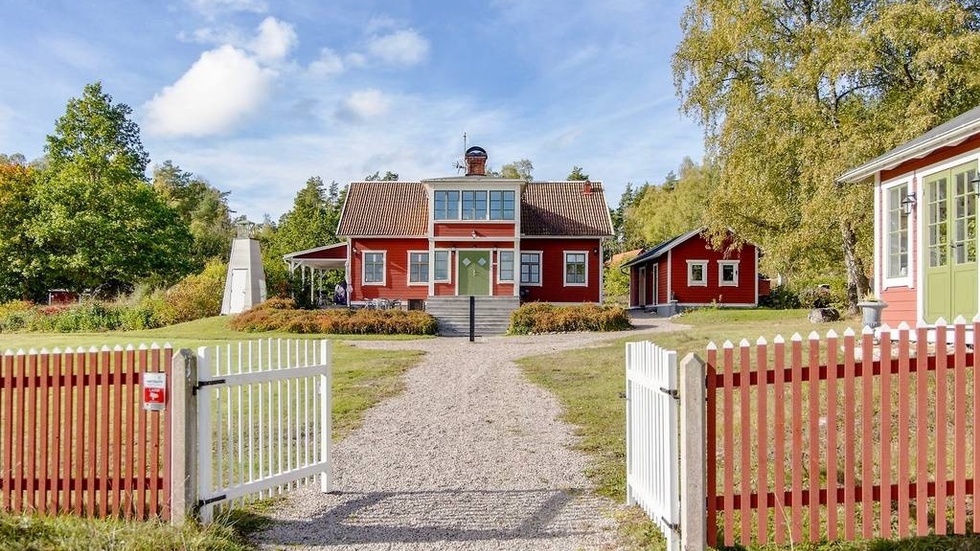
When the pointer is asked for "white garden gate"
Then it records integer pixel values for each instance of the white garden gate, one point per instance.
(263, 419)
(652, 447)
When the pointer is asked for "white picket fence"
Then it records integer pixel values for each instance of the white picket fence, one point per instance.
(652, 447)
(263, 419)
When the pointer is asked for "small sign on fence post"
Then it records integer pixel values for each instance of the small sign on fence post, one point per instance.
(154, 391)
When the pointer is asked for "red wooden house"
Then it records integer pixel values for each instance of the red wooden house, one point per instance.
(500, 239)
(686, 272)
(925, 223)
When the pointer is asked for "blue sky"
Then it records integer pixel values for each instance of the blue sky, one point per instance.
(258, 95)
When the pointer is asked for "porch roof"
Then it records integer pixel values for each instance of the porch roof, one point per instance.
(328, 257)
(947, 134)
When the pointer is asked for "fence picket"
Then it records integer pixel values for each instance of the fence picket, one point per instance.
(831, 455)
(941, 425)
(867, 426)
(885, 429)
(976, 431)
(796, 365)
(711, 420)
(813, 432)
(850, 367)
(902, 530)
(762, 442)
(779, 476)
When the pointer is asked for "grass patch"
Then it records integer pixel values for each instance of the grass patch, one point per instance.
(20, 532)
(589, 382)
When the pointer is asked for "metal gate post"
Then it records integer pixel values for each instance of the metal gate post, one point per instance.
(183, 448)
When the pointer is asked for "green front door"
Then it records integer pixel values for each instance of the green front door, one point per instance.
(951, 244)
(474, 272)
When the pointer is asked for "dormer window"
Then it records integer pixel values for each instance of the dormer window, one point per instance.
(446, 205)
(473, 204)
(501, 205)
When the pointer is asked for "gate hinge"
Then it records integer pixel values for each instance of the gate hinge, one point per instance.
(210, 500)
(672, 526)
(212, 382)
(673, 393)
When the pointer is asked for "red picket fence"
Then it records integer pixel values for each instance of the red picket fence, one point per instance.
(75, 437)
(843, 438)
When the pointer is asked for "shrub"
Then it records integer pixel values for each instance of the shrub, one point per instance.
(282, 315)
(196, 296)
(539, 317)
(780, 298)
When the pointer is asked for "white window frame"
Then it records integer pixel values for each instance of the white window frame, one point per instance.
(520, 266)
(450, 216)
(504, 195)
(513, 255)
(565, 263)
(721, 273)
(384, 268)
(690, 273)
(888, 211)
(425, 273)
(449, 267)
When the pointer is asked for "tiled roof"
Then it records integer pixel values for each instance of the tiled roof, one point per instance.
(384, 209)
(547, 209)
(562, 209)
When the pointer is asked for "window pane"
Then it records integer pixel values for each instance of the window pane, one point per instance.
(574, 268)
(530, 268)
(505, 262)
(474, 205)
(374, 267)
(441, 267)
(446, 205)
(501, 205)
(418, 267)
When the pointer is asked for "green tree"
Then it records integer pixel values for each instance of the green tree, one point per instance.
(16, 247)
(791, 94)
(518, 170)
(576, 175)
(99, 224)
(389, 176)
(202, 207)
(672, 208)
(13, 159)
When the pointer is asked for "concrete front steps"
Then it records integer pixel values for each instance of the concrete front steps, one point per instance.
(492, 314)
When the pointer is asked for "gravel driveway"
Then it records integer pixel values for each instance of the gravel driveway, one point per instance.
(470, 456)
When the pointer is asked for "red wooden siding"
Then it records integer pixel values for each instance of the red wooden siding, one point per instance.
(935, 157)
(483, 230)
(812, 440)
(396, 269)
(698, 249)
(663, 276)
(901, 306)
(75, 437)
(553, 287)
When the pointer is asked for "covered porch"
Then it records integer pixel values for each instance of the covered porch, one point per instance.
(314, 264)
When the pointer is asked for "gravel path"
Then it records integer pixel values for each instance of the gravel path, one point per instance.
(470, 456)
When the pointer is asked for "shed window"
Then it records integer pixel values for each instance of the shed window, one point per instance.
(697, 273)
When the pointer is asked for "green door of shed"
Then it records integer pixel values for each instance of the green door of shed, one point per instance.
(951, 244)
(474, 273)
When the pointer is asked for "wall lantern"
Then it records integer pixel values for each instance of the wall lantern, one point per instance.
(976, 184)
(908, 203)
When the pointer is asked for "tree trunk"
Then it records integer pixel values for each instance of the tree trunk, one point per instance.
(857, 281)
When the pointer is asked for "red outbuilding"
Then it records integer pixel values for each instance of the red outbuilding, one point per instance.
(686, 272)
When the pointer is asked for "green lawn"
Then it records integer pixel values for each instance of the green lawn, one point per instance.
(589, 382)
(361, 378)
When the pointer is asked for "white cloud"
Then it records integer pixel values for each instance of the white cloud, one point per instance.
(211, 8)
(329, 63)
(216, 36)
(274, 41)
(222, 87)
(364, 104)
(405, 47)
(355, 59)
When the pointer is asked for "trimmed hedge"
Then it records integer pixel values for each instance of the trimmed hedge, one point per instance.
(541, 317)
(282, 315)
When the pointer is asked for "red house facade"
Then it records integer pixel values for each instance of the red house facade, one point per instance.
(475, 235)
(686, 272)
(925, 224)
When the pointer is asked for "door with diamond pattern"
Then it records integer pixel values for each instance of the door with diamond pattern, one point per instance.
(474, 273)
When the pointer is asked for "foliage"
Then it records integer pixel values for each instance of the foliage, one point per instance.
(388, 176)
(201, 206)
(541, 317)
(780, 297)
(576, 175)
(518, 170)
(623, 240)
(659, 213)
(792, 94)
(17, 185)
(281, 315)
(616, 281)
(196, 296)
(95, 223)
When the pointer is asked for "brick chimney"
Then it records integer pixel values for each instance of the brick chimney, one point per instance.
(587, 188)
(476, 161)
